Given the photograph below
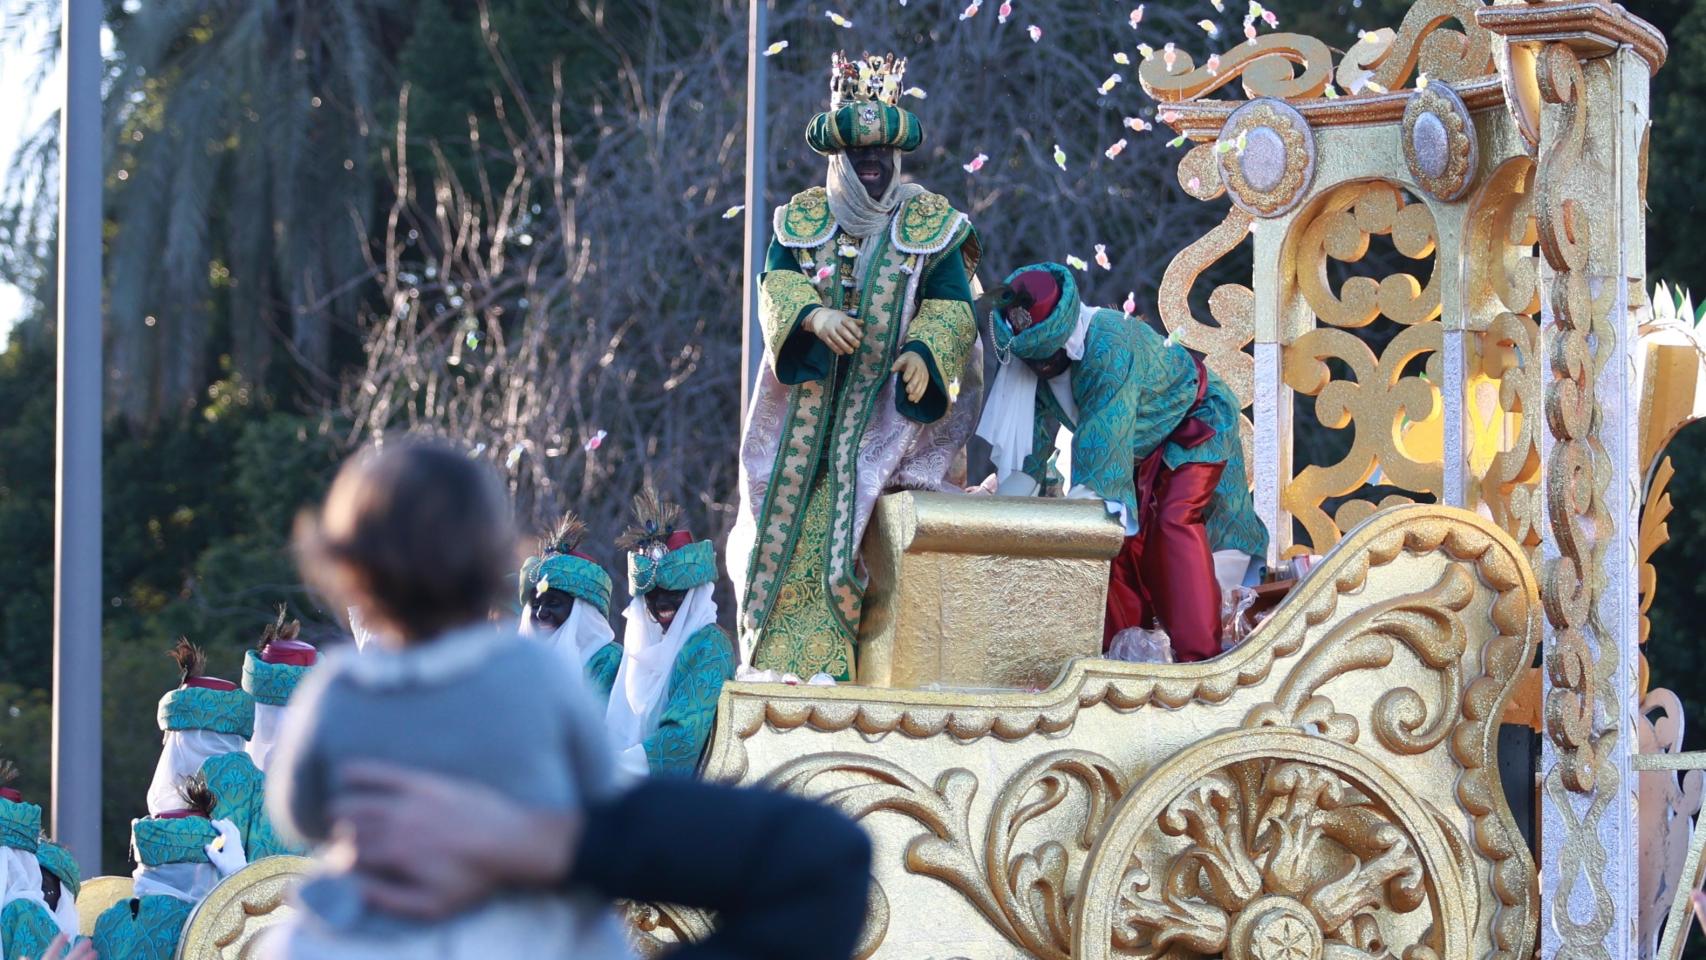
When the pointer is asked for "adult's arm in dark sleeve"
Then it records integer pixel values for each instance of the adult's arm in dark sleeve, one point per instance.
(789, 878)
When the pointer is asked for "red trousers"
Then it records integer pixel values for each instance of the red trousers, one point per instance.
(1165, 573)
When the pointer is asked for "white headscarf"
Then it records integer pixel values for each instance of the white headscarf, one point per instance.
(854, 210)
(268, 718)
(648, 658)
(20, 879)
(65, 915)
(1010, 413)
(182, 756)
(586, 632)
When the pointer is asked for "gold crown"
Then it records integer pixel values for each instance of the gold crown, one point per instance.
(869, 78)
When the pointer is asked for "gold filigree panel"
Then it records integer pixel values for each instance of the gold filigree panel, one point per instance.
(1230, 305)
(1381, 399)
(227, 924)
(1387, 669)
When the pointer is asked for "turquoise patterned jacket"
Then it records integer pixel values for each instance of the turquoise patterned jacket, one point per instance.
(1133, 389)
(240, 796)
(705, 663)
(26, 928)
(601, 671)
(145, 928)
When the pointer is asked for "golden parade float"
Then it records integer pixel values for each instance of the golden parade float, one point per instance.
(1329, 789)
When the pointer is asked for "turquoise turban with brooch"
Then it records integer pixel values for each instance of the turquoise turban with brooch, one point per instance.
(20, 825)
(163, 840)
(864, 108)
(57, 860)
(1046, 334)
(561, 566)
(661, 556)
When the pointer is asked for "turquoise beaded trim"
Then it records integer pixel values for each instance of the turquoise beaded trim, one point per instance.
(270, 683)
(576, 576)
(57, 860)
(20, 825)
(177, 840)
(682, 569)
(198, 708)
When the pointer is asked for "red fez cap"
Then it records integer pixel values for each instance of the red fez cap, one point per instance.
(210, 683)
(296, 653)
(1044, 292)
(9, 793)
(679, 539)
(176, 814)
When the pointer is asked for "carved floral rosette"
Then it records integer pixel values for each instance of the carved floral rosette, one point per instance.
(1328, 786)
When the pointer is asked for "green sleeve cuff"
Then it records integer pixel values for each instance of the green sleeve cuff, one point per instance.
(803, 357)
(934, 403)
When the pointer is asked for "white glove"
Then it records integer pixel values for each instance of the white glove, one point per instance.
(1081, 492)
(1018, 485)
(226, 852)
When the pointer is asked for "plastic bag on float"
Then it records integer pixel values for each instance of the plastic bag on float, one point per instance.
(1235, 619)
(1137, 645)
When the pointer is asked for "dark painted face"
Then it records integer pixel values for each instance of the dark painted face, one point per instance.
(50, 890)
(551, 610)
(1052, 367)
(875, 167)
(664, 604)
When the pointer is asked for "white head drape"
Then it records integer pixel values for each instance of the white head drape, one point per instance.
(1010, 413)
(182, 755)
(585, 633)
(648, 658)
(20, 879)
(268, 718)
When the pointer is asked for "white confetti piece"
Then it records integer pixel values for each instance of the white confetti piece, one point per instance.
(976, 163)
(1059, 157)
(595, 441)
(1116, 149)
(1076, 263)
(1035, 31)
(1102, 257)
(776, 48)
(838, 20)
(917, 93)
(1006, 11)
(1422, 80)
(733, 211)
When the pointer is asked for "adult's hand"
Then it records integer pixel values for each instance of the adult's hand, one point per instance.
(914, 375)
(839, 331)
(427, 846)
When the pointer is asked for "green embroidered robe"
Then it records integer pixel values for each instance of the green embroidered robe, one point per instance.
(240, 793)
(601, 671)
(26, 928)
(826, 435)
(704, 664)
(145, 928)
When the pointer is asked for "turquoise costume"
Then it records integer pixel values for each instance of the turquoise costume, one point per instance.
(148, 927)
(560, 567)
(1132, 389)
(240, 789)
(705, 663)
(237, 784)
(26, 926)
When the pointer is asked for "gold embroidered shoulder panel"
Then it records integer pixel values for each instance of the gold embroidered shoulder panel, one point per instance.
(928, 224)
(805, 221)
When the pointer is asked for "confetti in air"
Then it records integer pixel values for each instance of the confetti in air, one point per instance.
(1256, 10)
(1169, 116)
(838, 20)
(1121, 59)
(514, 456)
(1209, 27)
(776, 48)
(1035, 31)
(1116, 149)
(595, 441)
(1145, 50)
(1194, 184)
(916, 93)
(1213, 64)
(1422, 81)
(971, 9)
(1130, 305)
(976, 163)
(1137, 16)
(1377, 88)
(1172, 338)
(1059, 157)
(733, 211)
(1249, 30)
(1177, 141)
(823, 273)
(1076, 263)
(1330, 93)
(1219, 5)
(953, 390)
(1006, 11)
(1138, 124)
(1109, 84)
(1102, 257)
(1169, 55)
(1270, 18)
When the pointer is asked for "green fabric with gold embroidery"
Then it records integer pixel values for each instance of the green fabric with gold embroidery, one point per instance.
(704, 664)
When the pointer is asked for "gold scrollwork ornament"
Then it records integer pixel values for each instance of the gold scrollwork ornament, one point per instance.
(1439, 142)
(1267, 157)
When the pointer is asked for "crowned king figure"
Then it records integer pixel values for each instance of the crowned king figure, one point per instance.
(869, 378)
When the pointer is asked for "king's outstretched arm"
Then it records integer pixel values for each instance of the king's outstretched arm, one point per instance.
(785, 297)
(942, 334)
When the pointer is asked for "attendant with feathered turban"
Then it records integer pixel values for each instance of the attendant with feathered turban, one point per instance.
(270, 675)
(565, 602)
(28, 922)
(675, 658)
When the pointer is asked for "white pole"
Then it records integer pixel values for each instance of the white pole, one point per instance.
(757, 214)
(76, 807)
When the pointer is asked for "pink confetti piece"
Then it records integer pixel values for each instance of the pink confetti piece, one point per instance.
(1130, 305)
(1249, 30)
(1136, 16)
(1116, 149)
(823, 273)
(1138, 124)
(1169, 116)
(1213, 64)
(1270, 18)
(972, 9)
(1169, 55)
(1102, 257)
(595, 441)
(1194, 184)
(1035, 31)
(976, 163)
(1006, 11)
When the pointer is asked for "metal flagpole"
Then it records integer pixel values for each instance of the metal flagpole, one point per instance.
(77, 508)
(757, 224)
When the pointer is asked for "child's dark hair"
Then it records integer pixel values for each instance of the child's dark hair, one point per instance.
(417, 536)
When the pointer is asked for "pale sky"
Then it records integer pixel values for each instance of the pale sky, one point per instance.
(19, 112)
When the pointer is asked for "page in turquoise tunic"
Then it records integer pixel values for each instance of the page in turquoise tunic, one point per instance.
(705, 663)
(26, 928)
(141, 929)
(601, 671)
(240, 795)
